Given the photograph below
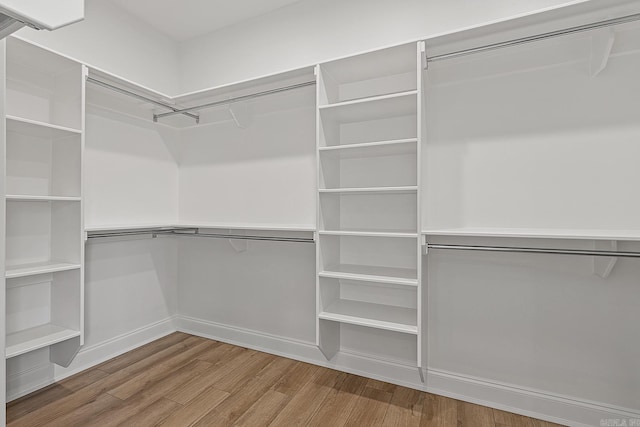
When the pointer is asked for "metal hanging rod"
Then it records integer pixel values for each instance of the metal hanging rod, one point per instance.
(106, 85)
(248, 237)
(236, 99)
(193, 232)
(582, 252)
(530, 39)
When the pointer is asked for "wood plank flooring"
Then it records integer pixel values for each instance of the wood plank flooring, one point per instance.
(183, 380)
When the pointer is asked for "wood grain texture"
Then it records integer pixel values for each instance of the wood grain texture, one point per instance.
(183, 380)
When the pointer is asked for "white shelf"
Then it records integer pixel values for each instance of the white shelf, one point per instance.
(34, 338)
(225, 226)
(369, 190)
(363, 233)
(38, 268)
(398, 276)
(388, 317)
(39, 129)
(540, 233)
(372, 149)
(25, 198)
(377, 107)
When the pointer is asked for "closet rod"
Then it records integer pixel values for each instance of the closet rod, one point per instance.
(142, 232)
(140, 97)
(529, 39)
(585, 252)
(248, 237)
(236, 99)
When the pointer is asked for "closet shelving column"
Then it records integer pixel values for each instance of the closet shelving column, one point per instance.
(368, 251)
(44, 222)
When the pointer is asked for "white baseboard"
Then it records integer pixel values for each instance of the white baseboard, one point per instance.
(550, 407)
(44, 374)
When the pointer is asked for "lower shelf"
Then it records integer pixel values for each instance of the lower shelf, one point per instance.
(400, 276)
(391, 318)
(38, 268)
(34, 338)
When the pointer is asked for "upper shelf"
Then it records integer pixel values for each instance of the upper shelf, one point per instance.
(540, 233)
(374, 108)
(39, 129)
(372, 149)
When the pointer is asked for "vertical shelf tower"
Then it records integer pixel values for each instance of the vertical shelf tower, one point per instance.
(45, 97)
(368, 151)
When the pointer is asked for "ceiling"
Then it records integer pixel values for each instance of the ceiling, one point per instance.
(182, 20)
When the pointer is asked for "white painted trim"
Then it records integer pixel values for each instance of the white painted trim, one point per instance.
(529, 402)
(25, 382)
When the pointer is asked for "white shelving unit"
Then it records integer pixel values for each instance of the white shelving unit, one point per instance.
(368, 249)
(44, 205)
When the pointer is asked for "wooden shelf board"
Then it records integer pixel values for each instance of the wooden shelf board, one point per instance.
(29, 198)
(540, 233)
(401, 276)
(34, 338)
(377, 107)
(39, 129)
(379, 316)
(369, 190)
(372, 149)
(38, 268)
(363, 233)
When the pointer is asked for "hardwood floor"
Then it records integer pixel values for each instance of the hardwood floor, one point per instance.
(183, 380)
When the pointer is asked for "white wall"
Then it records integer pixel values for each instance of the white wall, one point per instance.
(116, 42)
(314, 31)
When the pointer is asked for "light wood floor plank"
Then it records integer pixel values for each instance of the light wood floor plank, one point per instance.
(264, 410)
(184, 380)
(153, 414)
(196, 408)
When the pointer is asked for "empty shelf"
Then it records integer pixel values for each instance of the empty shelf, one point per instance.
(372, 149)
(26, 198)
(363, 233)
(391, 318)
(367, 190)
(38, 268)
(400, 276)
(39, 129)
(34, 338)
(539, 233)
(374, 108)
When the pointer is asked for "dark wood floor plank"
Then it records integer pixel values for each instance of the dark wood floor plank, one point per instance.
(472, 415)
(439, 411)
(196, 408)
(508, 419)
(141, 353)
(184, 380)
(337, 407)
(405, 408)
(34, 401)
(371, 408)
(296, 378)
(309, 398)
(264, 410)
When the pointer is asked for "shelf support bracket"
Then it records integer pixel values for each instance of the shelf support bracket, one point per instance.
(240, 115)
(601, 46)
(238, 245)
(602, 266)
